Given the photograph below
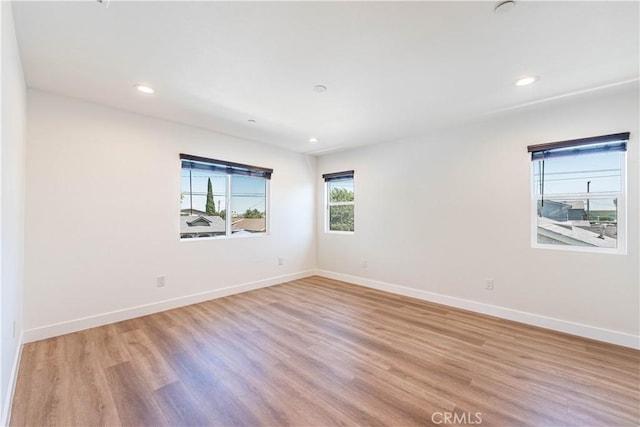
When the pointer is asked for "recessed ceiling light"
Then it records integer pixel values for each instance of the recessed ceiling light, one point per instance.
(144, 89)
(319, 88)
(504, 7)
(313, 140)
(526, 80)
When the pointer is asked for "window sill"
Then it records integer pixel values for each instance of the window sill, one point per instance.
(232, 237)
(582, 249)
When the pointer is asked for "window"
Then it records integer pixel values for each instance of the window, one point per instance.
(340, 201)
(579, 194)
(220, 198)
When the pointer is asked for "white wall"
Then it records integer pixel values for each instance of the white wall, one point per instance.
(103, 201)
(12, 188)
(441, 213)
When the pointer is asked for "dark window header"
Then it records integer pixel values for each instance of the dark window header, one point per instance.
(595, 144)
(337, 175)
(222, 166)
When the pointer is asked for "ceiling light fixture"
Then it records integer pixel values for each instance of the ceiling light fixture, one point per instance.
(504, 7)
(319, 88)
(526, 80)
(313, 140)
(144, 89)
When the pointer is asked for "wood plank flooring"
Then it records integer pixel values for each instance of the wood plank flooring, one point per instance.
(318, 352)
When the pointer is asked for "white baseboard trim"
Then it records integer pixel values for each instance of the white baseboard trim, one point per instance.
(75, 325)
(573, 328)
(13, 379)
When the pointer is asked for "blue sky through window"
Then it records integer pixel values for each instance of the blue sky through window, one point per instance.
(570, 175)
(247, 192)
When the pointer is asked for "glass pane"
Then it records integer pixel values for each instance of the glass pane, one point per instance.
(341, 190)
(588, 173)
(248, 204)
(584, 222)
(203, 198)
(341, 218)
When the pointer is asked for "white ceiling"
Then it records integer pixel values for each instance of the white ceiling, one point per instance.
(393, 69)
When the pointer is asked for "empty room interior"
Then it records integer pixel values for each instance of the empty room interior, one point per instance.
(320, 213)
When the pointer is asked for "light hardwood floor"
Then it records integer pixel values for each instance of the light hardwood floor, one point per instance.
(318, 352)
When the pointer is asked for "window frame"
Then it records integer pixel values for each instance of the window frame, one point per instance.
(333, 177)
(253, 172)
(620, 196)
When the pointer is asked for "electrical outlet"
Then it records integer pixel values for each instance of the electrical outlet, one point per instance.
(364, 263)
(488, 284)
(160, 281)
(280, 261)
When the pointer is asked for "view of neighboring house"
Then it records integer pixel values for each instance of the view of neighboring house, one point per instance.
(563, 211)
(566, 223)
(251, 225)
(576, 233)
(202, 225)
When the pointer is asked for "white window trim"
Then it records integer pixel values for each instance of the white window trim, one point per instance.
(328, 205)
(621, 249)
